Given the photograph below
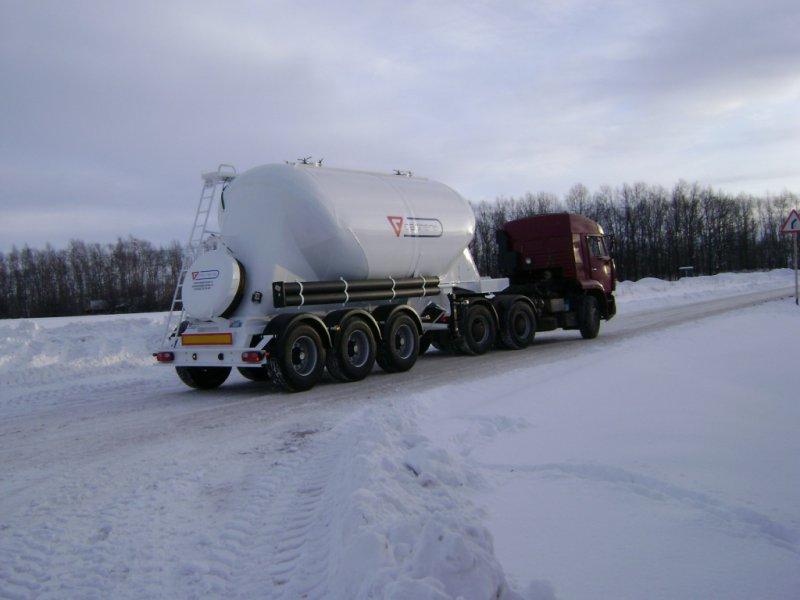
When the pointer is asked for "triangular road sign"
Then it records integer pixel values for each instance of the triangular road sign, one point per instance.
(792, 223)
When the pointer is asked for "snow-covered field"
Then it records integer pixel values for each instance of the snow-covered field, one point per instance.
(659, 461)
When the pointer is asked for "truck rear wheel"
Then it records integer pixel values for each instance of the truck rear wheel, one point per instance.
(518, 326)
(299, 359)
(203, 378)
(254, 373)
(353, 354)
(589, 318)
(478, 330)
(400, 347)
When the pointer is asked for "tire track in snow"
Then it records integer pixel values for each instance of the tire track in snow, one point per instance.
(735, 518)
(299, 559)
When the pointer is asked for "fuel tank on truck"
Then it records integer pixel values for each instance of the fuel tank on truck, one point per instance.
(296, 222)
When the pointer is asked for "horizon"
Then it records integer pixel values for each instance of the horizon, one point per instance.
(561, 200)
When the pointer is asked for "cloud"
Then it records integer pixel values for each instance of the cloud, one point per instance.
(111, 111)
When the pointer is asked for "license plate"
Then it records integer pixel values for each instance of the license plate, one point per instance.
(206, 339)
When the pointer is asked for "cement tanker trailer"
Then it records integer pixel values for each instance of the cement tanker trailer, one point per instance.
(316, 269)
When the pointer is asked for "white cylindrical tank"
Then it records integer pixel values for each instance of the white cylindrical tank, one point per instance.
(287, 222)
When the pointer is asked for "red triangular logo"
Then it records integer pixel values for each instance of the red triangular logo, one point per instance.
(194, 274)
(397, 224)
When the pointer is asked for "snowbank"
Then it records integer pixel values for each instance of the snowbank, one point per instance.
(55, 349)
(649, 292)
(397, 512)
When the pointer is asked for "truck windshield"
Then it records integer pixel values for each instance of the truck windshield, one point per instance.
(597, 246)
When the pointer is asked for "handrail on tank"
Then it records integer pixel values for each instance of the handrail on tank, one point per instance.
(224, 173)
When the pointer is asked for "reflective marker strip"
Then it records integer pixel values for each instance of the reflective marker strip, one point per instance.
(206, 339)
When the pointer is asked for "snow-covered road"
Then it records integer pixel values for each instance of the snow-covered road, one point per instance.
(116, 481)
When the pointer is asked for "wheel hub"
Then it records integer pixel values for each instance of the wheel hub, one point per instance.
(403, 342)
(304, 355)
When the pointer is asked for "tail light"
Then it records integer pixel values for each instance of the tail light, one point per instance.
(165, 357)
(253, 356)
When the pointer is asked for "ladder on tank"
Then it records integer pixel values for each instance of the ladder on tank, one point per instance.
(213, 184)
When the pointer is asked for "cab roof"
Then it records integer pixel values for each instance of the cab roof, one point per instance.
(551, 225)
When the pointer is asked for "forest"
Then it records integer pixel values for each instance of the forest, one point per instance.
(656, 230)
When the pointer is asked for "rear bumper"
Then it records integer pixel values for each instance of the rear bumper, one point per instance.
(205, 345)
(210, 356)
(217, 355)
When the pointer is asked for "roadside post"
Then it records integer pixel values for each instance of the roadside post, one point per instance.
(792, 225)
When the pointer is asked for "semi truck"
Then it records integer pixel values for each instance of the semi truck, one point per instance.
(316, 269)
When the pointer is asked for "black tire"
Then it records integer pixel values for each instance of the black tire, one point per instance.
(298, 359)
(399, 348)
(478, 330)
(254, 373)
(353, 354)
(424, 343)
(203, 378)
(589, 318)
(518, 326)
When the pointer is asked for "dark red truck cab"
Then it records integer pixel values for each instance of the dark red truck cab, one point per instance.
(563, 263)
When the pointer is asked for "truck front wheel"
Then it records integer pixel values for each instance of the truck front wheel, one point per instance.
(203, 378)
(589, 318)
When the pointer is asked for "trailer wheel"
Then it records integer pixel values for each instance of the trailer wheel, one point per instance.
(203, 378)
(518, 326)
(400, 346)
(353, 354)
(299, 359)
(254, 373)
(478, 330)
(589, 318)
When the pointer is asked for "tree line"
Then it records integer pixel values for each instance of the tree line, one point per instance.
(656, 231)
(130, 275)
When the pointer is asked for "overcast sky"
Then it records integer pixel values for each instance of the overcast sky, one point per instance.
(110, 111)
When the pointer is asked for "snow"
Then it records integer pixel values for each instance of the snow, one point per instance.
(662, 467)
(658, 461)
(648, 293)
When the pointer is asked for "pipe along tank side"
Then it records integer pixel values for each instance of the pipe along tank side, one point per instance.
(318, 269)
